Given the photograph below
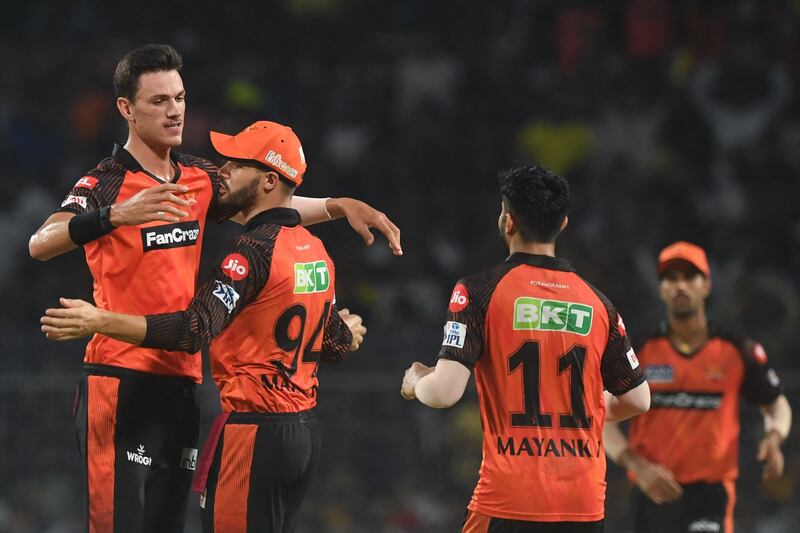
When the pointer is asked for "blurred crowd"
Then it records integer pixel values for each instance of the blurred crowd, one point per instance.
(672, 120)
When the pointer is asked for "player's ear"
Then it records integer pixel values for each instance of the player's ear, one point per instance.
(124, 107)
(511, 225)
(270, 181)
(565, 223)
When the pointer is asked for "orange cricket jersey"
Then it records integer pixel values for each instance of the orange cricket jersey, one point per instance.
(543, 344)
(270, 309)
(693, 424)
(144, 269)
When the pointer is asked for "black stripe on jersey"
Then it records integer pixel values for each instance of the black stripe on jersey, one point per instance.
(618, 376)
(706, 401)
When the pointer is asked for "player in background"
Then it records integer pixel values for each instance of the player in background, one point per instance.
(140, 217)
(552, 363)
(683, 454)
(271, 311)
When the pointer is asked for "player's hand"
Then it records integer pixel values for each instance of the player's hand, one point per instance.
(657, 482)
(156, 203)
(769, 451)
(414, 373)
(356, 328)
(74, 320)
(362, 217)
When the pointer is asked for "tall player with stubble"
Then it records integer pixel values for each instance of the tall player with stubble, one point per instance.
(552, 363)
(140, 217)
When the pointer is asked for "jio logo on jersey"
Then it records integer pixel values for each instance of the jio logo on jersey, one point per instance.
(235, 266)
(552, 315)
(311, 277)
(459, 300)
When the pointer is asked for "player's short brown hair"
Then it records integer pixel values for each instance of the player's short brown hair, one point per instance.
(147, 58)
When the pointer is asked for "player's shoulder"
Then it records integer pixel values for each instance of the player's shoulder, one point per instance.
(188, 160)
(487, 277)
(108, 168)
(749, 349)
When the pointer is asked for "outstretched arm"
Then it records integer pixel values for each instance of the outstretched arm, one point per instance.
(361, 216)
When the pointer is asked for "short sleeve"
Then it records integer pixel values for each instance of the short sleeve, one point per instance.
(620, 367)
(761, 385)
(85, 196)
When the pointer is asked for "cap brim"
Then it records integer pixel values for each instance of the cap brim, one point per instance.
(225, 145)
(676, 262)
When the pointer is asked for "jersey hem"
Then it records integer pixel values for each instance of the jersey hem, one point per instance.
(536, 517)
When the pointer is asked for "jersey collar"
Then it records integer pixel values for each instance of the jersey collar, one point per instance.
(541, 261)
(280, 216)
(130, 162)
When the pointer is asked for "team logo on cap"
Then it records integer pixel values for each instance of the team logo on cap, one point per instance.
(276, 159)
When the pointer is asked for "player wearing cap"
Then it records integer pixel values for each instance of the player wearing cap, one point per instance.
(544, 344)
(683, 453)
(140, 217)
(270, 308)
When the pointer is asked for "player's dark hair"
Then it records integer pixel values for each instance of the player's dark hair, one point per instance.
(147, 58)
(538, 198)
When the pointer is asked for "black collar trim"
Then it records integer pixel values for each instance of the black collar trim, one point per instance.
(280, 216)
(541, 261)
(130, 162)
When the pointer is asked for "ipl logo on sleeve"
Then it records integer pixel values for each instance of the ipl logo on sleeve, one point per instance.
(455, 333)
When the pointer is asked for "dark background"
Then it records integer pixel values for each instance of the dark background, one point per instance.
(671, 120)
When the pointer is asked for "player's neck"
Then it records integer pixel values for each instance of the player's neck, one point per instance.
(535, 248)
(265, 204)
(154, 159)
(690, 332)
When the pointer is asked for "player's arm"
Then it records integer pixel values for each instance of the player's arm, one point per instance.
(777, 424)
(360, 215)
(89, 219)
(438, 387)
(632, 403)
(655, 480)
(217, 302)
(344, 333)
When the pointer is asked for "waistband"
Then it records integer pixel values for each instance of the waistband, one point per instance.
(93, 369)
(240, 417)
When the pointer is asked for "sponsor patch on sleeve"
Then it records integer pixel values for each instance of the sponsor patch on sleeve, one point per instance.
(86, 182)
(235, 266)
(455, 333)
(632, 359)
(459, 300)
(226, 294)
(72, 199)
(621, 326)
(759, 353)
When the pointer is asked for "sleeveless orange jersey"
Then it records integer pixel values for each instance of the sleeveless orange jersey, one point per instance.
(543, 344)
(269, 307)
(144, 269)
(693, 424)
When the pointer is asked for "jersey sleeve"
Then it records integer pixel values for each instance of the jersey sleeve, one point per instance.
(336, 338)
(464, 329)
(98, 188)
(619, 367)
(761, 385)
(237, 281)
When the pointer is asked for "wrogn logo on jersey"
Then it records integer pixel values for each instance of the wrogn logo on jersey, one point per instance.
(226, 294)
(170, 235)
(311, 277)
(552, 315)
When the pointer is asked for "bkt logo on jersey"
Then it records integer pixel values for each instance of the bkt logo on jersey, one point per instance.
(552, 315)
(311, 277)
(170, 235)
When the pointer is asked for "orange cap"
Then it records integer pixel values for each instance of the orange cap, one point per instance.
(267, 143)
(686, 252)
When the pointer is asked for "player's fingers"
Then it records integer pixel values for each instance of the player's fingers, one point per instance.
(58, 322)
(59, 312)
(167, 187)
(161, 215)
(390, 231)
(363, 230)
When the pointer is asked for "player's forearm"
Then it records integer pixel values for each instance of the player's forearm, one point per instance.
(435, 392)
(125, 328)
(51, 240)
(778, 417)
(312, 210)
(614, 441)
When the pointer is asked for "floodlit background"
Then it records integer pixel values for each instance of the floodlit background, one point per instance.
(671, 119)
